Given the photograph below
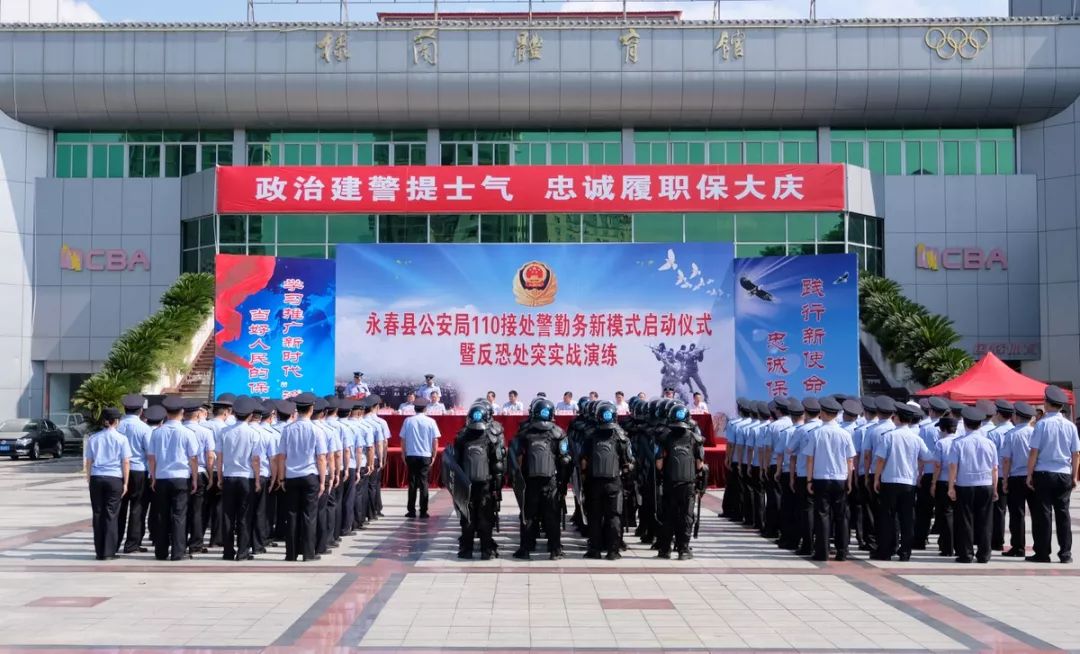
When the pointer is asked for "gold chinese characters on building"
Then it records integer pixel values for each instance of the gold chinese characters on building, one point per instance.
(426, 47)
(333, 45)
(529, 47)
(730, 46)
(629, 41)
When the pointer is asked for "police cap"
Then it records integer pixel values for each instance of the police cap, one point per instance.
(191, 405)
(973, 414)
(110, 413)
(947, 425)
(772, 405)
(1055, 395)
(374, 399)
(304, 400)
(1004, 407)
(1024, 410)
(285, 407)
(905, 410)
(762, 408)
(885, 404)
(795, 407)
(868, 403)
(357, 374)
(829, 405)
(956, 408)
(268, 407)
(811, 404)
(225, 399)
(244, 406)
(924, 404)
(986, 406)
(133, 401)
(173, 403)
(839, 397)
(938, 404)
(669, 389)
(852, 407)
(154, 413)
(781, 405)
(320, 404)
(429, 376)
(332, 403)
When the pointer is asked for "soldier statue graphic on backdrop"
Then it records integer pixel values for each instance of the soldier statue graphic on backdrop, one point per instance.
(606, 458)
(541, 451)
(679, 369)
(477, 463)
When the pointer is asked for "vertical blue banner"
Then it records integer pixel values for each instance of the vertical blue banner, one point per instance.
(796, 325)
(274, 326)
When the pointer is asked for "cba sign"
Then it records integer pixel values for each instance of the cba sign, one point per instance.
(111, 260)
(948, 43)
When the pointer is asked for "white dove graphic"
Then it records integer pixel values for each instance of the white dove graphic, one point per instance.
(694, 270)
(680, 278)
(669, 263)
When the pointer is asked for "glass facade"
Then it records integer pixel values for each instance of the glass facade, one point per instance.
(725, 147)
(144, 153)
(927, 151)
(317, 235)
(467, 147)
(337, 148)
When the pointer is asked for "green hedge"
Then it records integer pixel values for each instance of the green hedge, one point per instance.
(161, 340)
(910, 334)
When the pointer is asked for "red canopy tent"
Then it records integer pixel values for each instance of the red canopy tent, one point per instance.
(991, 379)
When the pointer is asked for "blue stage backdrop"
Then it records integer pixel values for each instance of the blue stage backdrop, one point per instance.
(274, 326)
(796, 325)
(529, 317)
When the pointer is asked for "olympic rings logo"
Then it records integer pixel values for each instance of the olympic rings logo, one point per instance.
(957, 41)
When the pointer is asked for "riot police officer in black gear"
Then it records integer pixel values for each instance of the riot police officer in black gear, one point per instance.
(679, 463)
(631, 498)
(541, 452)
(480, 451)
(574, 434)
(605, 458)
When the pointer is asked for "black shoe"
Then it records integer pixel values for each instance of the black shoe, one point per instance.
(647, 539)
(410, 514)
(663, 555)
(804, 552)
(522, 554)
(290, 559)
(379, 514)
(613, 555)
(905, 557)
(1016, 552)
(249, 557)
(557, 555)
(962, 559)
(841, 556)
(1037, 559)
(424, 516)
(465, 555)
(314, 558)
(919, 547)
(947, 553)
(1065, 559)
(986, 560)
(686, 555)
(99, 558)
(261, 550)
(819, 558)
(880, 557)
(593, 554)
(486, 556)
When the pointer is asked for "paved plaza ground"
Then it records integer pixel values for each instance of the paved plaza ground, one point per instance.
(397, 586)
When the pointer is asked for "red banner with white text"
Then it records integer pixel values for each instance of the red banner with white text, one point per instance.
(530, 189)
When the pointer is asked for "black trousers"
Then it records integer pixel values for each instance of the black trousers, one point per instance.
(212, 513)
(419, 468)
(1019, 499)
(771, 523)
(757, 498)
(924, 511)
(732, 505)
(1052, 492)
(830, 517)
(997, 532)
(746, 486)
(348, 503)
(678, 516)
(855, 514)
(944, 518)
(301, 501)
(237, 506)
(322, 520)
(171, 507)
(105, 506)
(333, 512)
(363, 498)
(972, 522)
(788, 501)
(804, 518)
(896, 507)
(133, 512)
(376, 493)
(870, 511)
(196, 523)
(281, 513)
(480, 520)
(540, 506)
(603, 505)
(260, 522)
(372, 507)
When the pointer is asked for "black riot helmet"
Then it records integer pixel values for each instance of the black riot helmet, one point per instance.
(678, 413)
(631, 404)
(581, 402)
(542, 410)
(605, 413)
(662, 408)
(479, 415)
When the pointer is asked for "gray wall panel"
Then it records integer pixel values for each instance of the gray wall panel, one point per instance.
(59, 52)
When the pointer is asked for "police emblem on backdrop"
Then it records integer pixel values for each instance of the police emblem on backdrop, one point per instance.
(535, 285)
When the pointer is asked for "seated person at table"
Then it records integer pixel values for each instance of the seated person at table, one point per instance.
(514, 405)
(567, 403)
(493, 400)
(435, 407)
(408, 403)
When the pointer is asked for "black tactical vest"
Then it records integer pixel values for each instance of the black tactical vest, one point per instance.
(474, 459)
(679, 466)
(604, 463)
(539, 454)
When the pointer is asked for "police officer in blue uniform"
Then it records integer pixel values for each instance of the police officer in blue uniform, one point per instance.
(606, 458)
(1052, 471)
(221, 417)
(173, 465)
(267, 447)
(804, 503)
(944, 506)
(323, 527)
(197, 518)
(133, 503)
(973, 476)
(303, 459)
(1014, 460)
(285, 410)
(365, 458)
(789, 532)
(936, 407)
(898, 456)
(239, 467)
(1002, 425)
(830, 456)
(108, 456)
